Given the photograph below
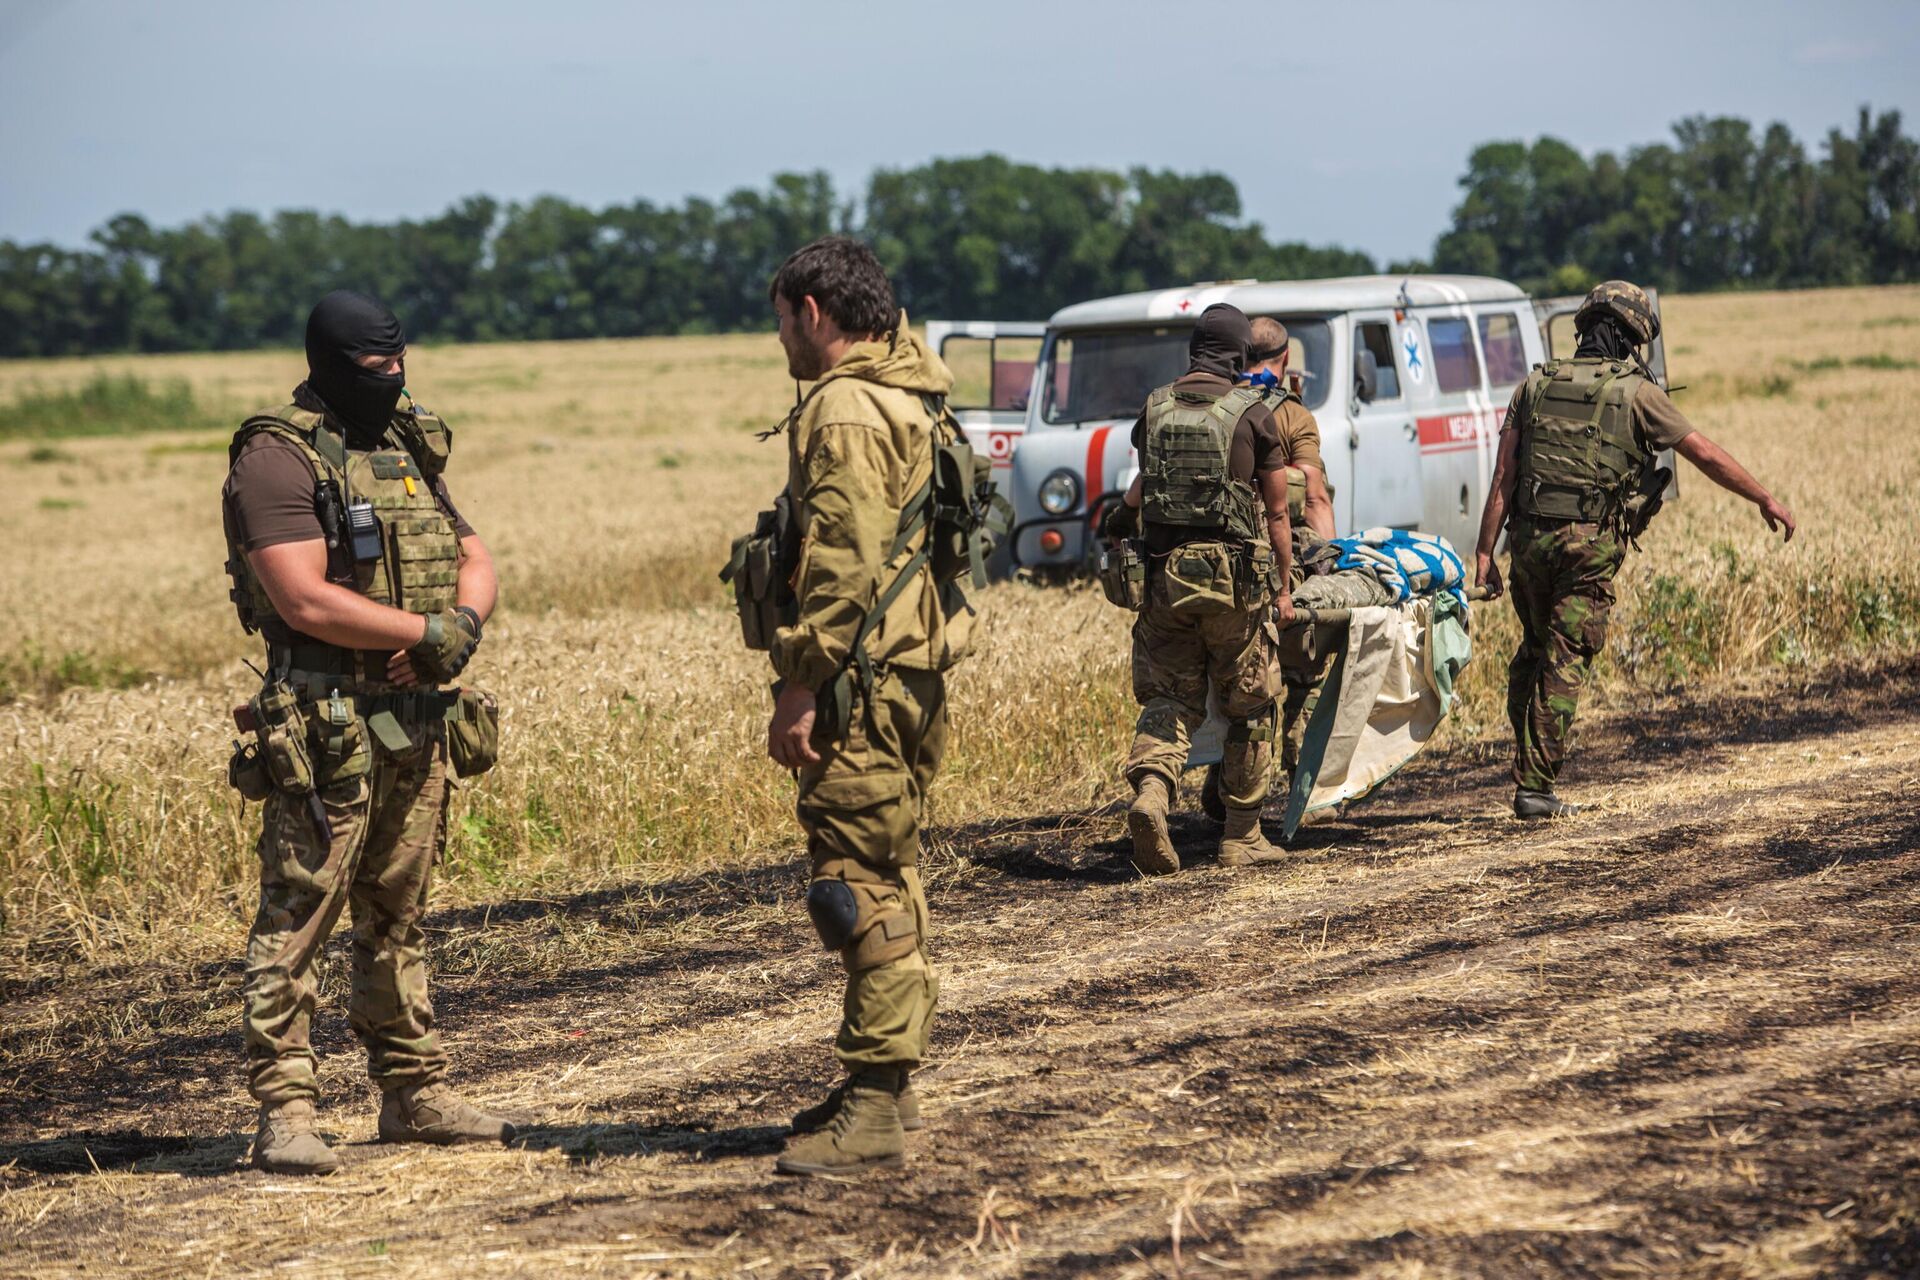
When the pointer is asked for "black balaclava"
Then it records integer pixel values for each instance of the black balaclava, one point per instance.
(1606, 338)
(345, 325)
(1220, 340)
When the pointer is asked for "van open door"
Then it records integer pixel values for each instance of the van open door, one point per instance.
(1556, 331)
(993, 363)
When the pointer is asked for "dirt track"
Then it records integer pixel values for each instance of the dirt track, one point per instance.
(1677, 1035)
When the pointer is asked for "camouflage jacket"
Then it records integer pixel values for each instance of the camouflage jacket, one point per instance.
(860, 447)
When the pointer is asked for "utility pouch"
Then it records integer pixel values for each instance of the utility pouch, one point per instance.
(1255, 576)
(473, 733)
(1644, 497)
(1123, 575)
(761, 571)
(281, 731)
(247, 772)
(1200, 579)
(340, 738)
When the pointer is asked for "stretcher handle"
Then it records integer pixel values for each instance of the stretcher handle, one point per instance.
(1304, 616)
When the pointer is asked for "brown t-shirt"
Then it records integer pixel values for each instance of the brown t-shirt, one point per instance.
(1656, 418)
(1258, 449)
(1299, 435)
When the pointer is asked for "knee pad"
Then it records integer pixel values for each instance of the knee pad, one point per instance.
(835, 913)
(867, 924)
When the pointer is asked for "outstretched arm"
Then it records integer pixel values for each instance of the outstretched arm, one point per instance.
(1319, 506)
(1499, 497)
(1725, 470)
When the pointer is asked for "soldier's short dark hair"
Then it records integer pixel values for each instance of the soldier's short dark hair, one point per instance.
(844, 277)
(1269, 340)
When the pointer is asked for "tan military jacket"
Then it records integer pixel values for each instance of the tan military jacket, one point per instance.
(863, 444)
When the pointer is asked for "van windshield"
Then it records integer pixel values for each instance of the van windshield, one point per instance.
(1104, 374)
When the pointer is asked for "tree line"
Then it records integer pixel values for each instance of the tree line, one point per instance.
(981, 237)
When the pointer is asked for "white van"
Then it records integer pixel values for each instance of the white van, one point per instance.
(1408, 377)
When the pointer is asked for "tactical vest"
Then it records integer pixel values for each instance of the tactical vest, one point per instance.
(1186, 459)
(1579, 454)
(415, 565)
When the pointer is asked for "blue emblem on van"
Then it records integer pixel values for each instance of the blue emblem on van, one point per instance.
(1416, 367)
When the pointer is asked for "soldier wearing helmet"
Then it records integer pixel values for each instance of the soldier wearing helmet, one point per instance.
(1577, 480)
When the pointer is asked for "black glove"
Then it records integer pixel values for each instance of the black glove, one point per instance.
(1120, 521)
(442, 653)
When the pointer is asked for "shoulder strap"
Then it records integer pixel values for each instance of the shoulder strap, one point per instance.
(323, 448)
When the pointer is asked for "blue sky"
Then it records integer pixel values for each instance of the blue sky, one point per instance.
(1341, 123)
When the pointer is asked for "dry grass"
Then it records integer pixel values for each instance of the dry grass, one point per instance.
(608, 476)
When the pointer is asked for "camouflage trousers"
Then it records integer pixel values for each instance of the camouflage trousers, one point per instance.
(861, 806)
(386, 833)
(1177, 659)
(1306, 654)
(1561, 581)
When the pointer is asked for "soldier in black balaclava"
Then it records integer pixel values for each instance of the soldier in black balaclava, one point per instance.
(355, 361)
(370, 591)
(1210, 544)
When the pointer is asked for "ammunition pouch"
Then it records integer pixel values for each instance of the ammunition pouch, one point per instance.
(341, 752)
(1123, 575)
(1643, 500)
(968, 518)
(247, 772)
(473, 733)
(761, 573)
(1201, 579)
(281, 734)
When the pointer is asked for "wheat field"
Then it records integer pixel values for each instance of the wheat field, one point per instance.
(607, 478)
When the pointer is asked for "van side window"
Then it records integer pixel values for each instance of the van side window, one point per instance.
(1456, 365)
(990, 373)
(1506, 355)
(1374, 337)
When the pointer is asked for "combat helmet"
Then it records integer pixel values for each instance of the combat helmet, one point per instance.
(1625, 302)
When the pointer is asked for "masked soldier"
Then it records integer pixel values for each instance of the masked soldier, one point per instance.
(348, 556)
(860, 714)
(1211, 504)
(1577, 479)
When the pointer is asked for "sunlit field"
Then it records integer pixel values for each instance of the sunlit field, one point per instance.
(608, 477)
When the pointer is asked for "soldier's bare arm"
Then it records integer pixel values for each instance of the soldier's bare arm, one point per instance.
(1499, 497)
(1725, 470)
(1319, 506)
(294, 575)
(1273, 492)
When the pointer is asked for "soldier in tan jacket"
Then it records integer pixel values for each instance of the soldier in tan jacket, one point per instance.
(861, 446)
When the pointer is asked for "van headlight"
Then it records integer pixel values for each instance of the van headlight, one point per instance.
(1060, 493)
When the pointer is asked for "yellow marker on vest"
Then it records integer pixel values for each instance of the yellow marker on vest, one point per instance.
(409, 484)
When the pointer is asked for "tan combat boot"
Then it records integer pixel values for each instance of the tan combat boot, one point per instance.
(864, 1133)
(1245, 843)
(817, 1115)
(1153, 851)
(286, 1142)
(435, 1113)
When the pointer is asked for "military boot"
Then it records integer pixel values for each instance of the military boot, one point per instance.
(435, 1113)
(286, 1142)
(864, 1133)
(1245, 843)
(1541, 804)
(817, 1115)
(1153, 852)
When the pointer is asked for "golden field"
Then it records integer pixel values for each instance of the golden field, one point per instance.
(608, 477)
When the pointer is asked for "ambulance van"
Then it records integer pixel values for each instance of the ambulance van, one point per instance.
(1408, 377)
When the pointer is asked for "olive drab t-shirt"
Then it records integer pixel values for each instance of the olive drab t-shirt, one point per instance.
(1258, 449)
(1656, 418)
